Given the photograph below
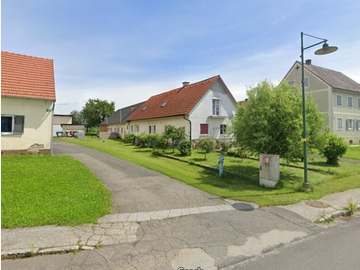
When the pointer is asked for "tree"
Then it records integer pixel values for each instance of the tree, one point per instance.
(95, 111)
(77, 117)
(271, 121)
(174, 134)
(206, 146)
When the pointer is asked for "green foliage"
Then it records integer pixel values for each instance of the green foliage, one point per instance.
(175, 135)
(351, 207)
(129, 138)
(141, 140)
(153, 140)
(271, 121)
(184, 147)
(333, 148)
(95, 111)
(77, 117)
(238, 152)
(206, 146)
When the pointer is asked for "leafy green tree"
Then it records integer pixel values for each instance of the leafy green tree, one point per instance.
(206, 146)
(95, 111)
(271, 121)
(174, 134)
(77, 117)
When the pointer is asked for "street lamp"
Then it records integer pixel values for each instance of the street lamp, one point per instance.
(326, 49)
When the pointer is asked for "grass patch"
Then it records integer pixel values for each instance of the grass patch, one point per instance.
(325, 179)
(43, 190)
(353, 152)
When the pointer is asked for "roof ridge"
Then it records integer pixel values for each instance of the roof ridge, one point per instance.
(26, 55)
(187, 86)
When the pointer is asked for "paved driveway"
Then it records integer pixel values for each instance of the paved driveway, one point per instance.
(134, 188)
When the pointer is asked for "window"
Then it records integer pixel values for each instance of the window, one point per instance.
(349, 101)
(306, 82)
(152, 129)
(349, 124)
(358, 125)
(12, 124)
(339, 123)
(338, 100)
(222, 129)
(359, 103)
(136, 128)
(216, 107)
(204, 129)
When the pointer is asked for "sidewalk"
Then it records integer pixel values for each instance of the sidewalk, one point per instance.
(330, 205)
(127, 228)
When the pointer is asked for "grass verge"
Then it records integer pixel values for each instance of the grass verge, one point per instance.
(325, 179)
(43, 190)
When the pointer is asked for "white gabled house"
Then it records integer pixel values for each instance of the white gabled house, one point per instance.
(203, 108)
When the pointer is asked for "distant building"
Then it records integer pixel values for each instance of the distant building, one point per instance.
(336, 95)
(27, 103)
(58, 120)
(203, 109)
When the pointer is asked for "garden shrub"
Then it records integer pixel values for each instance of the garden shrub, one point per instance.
(333, 148)
(206, 146)
(152, 140)
(141, 140)
(238, 152)
(184, 147)
(129, 138)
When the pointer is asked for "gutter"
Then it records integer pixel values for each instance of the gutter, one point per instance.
(187, 119)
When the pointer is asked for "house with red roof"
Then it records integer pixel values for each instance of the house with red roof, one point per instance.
(203, 108)
(27, 103)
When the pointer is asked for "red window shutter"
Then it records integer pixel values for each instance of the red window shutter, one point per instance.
(204, 128)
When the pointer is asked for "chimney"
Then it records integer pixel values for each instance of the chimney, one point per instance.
(185, 83)
(308, 61)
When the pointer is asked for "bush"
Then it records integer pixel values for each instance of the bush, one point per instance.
(206, 146)
(184, 148)
(152, 140)
(129, 138)
(223, 146)
(140, 140)
(333, 148)
(238, 152)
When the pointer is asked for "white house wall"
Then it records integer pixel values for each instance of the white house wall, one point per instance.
(37, 123)
(202, 112)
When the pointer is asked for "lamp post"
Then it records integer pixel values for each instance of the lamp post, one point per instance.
(326, 49)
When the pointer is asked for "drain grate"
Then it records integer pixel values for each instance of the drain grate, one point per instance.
(243, 206)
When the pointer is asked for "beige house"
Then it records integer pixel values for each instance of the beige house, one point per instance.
(27, 103)
(336, 95)
(203, 109)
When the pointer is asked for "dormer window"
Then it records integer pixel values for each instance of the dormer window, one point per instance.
(144, 108)
(216, 106)
(163, 104)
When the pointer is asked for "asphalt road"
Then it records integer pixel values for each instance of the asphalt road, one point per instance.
(337, 248)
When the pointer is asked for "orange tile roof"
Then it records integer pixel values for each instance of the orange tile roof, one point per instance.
(179, 101)
(27, 76)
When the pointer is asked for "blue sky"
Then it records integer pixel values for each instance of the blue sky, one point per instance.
(126, 51)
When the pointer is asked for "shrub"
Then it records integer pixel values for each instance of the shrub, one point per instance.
(206, 146)
(152, 140)
(238, 152)
(174, 135)
(184, 147)
(141, 140)
(163, 142)
(334, 147)
(129, 138)
(223, 146)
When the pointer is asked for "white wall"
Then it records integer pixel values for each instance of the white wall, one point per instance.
(37, 123)
(202, 112)
(160, 123)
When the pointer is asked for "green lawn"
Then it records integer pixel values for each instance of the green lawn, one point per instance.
(244, 186)
(43, 190)
(353, 152)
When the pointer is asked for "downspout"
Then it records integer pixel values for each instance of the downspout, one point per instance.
(52, 127)
(187, 119)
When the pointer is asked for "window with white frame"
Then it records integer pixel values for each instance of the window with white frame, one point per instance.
(222, 129)
(349, 124)
(152, 129)
(306, 82)
(339, 124)
(216, 107)
(136, 128)
(359, 103)
(349, 101)
(12, 124)
(338, 100)
(358, 125)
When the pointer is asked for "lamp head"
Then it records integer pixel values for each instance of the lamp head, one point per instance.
(326, 49)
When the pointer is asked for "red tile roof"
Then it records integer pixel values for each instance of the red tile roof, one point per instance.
(179, 101)
(27, 76)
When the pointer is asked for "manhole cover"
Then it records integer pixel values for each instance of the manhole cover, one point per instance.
(317, 204)
(243, 206)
